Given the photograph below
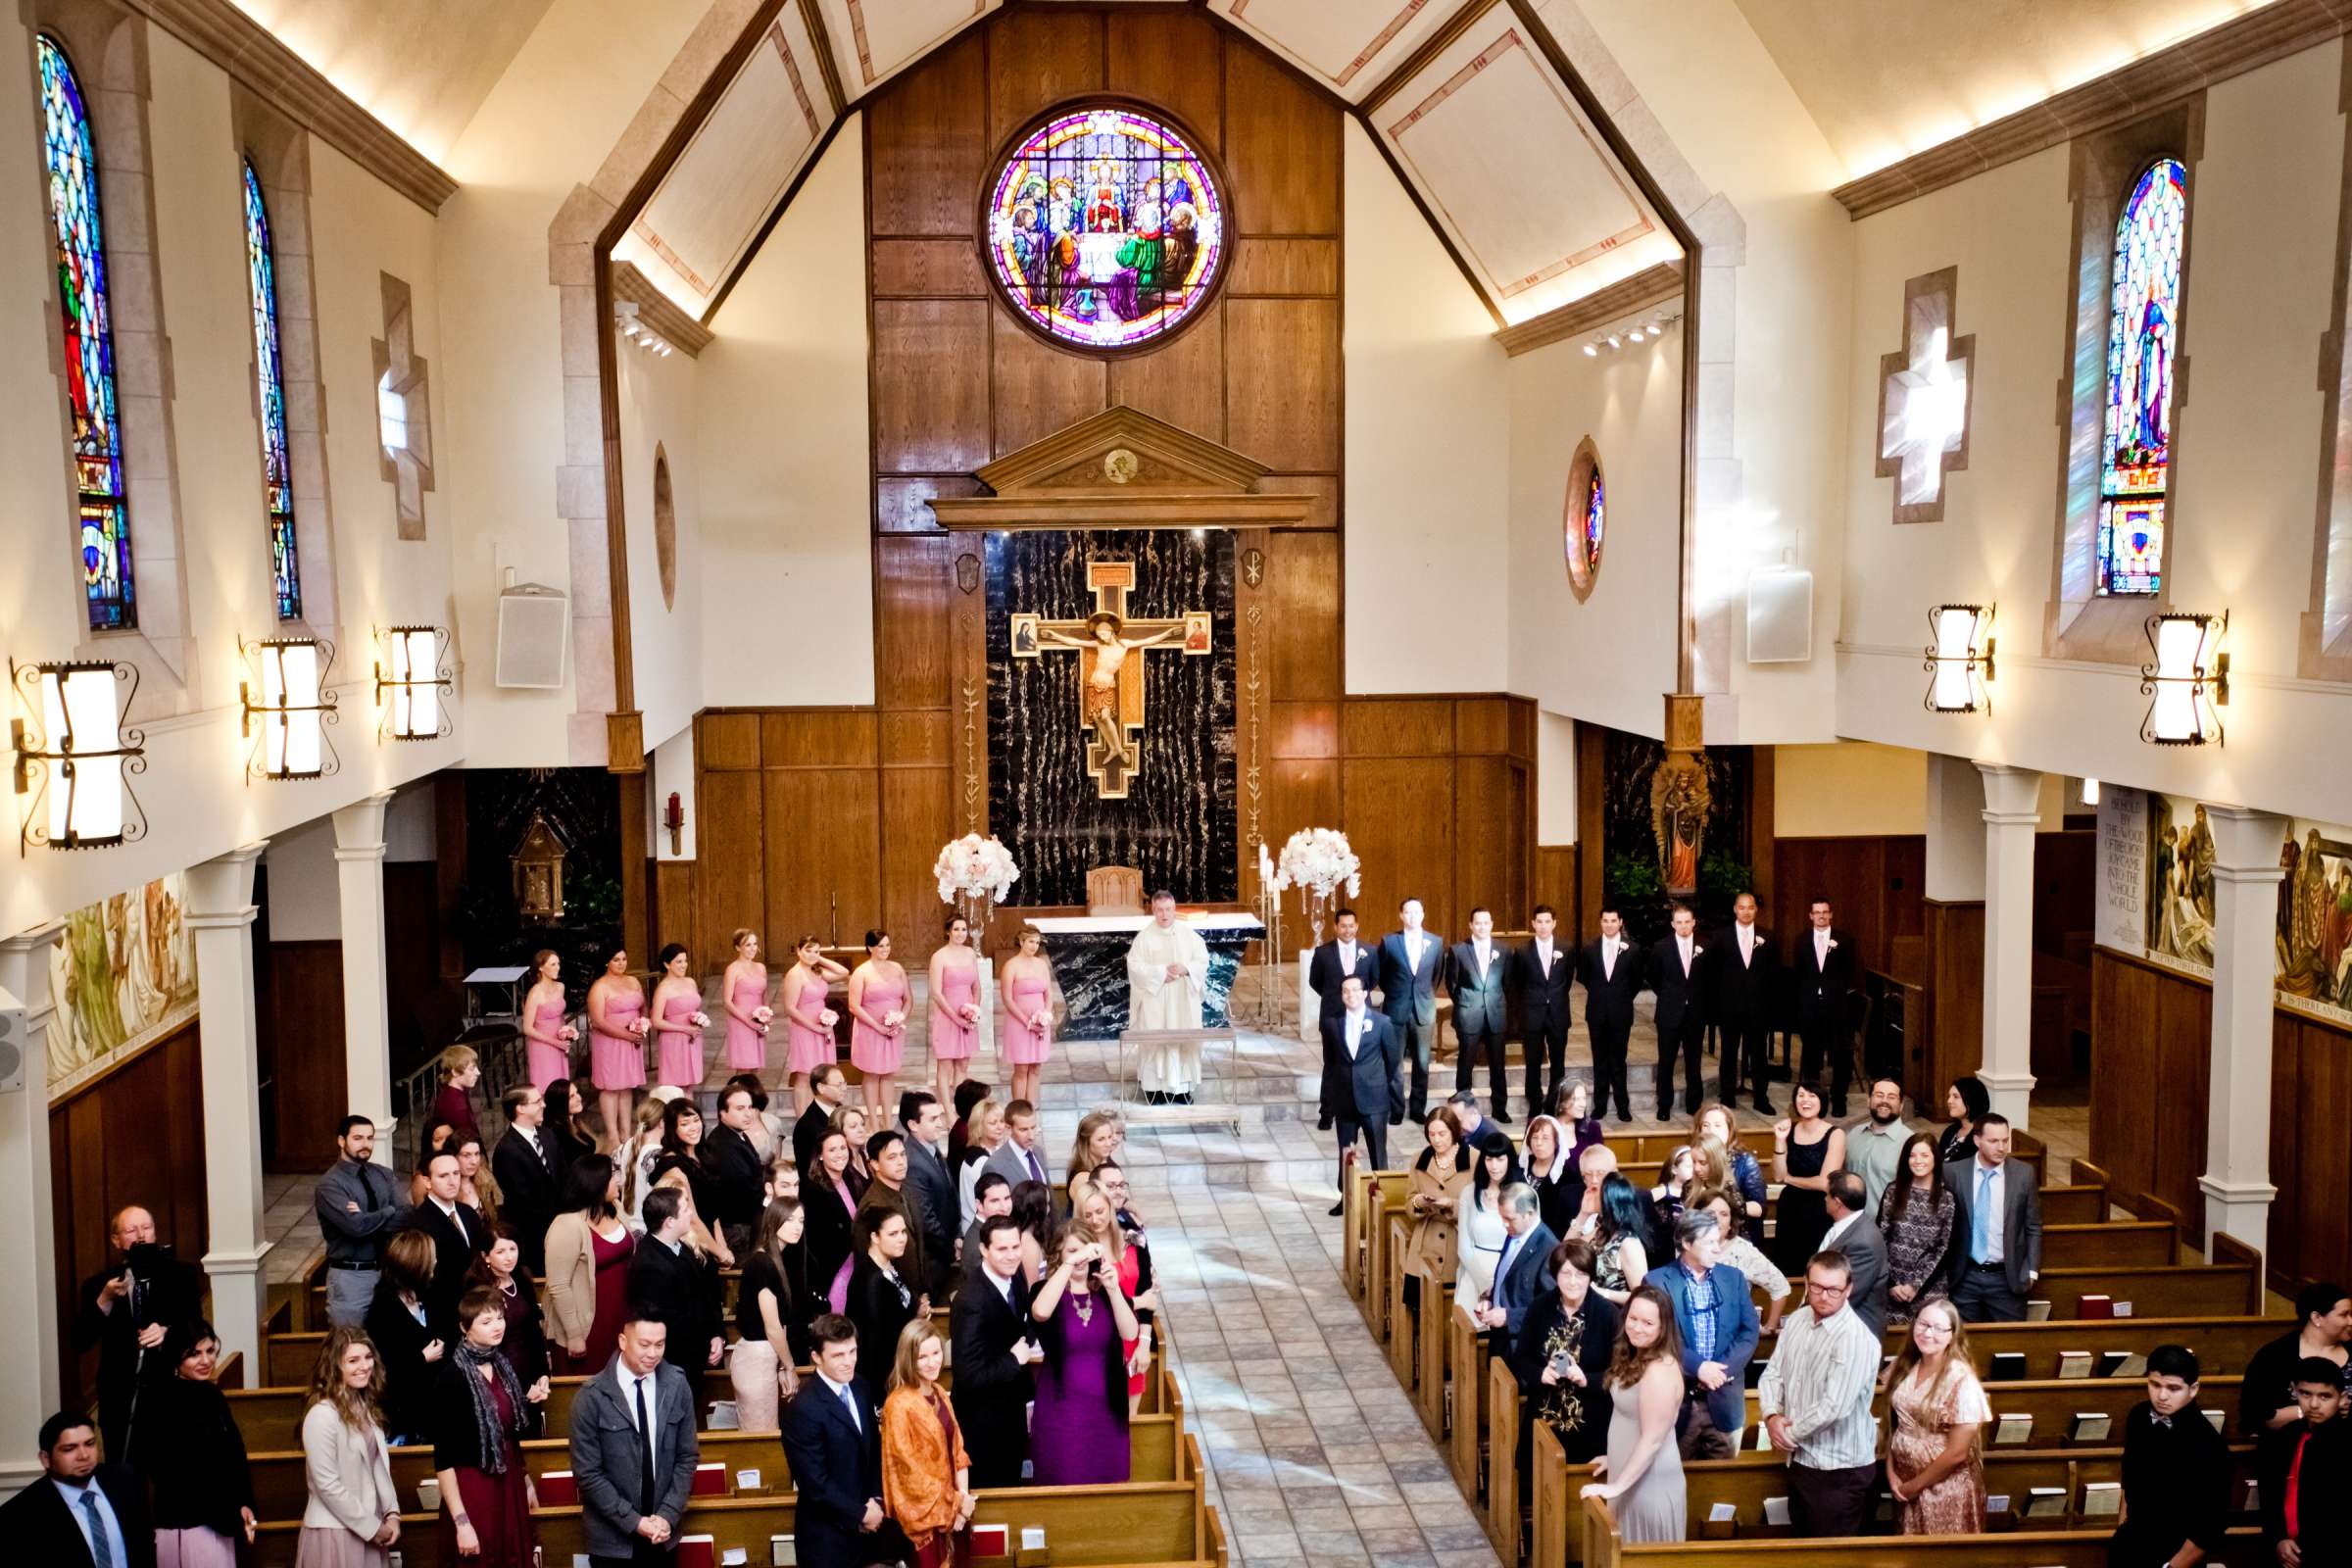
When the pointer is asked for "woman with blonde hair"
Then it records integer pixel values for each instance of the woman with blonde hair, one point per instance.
(635, 1158)
(1641, 1477)
(546, 1037)
(1096, 1218)
(1737, 1172)
(984, 1132)
(854, 1125)
(352, 1519)
(1935, 1409)
(926, 1474)
(1099, 1134)
(1028, 982)
(457, 1069)
(879, 1007)
(743, 994)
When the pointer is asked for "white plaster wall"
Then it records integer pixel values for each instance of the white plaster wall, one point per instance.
(1609, 659)
(658, 407)
(1723, 103)
(2262, 213)
(410, 830)
(306, 898)
(1555, 778)
(194, 793)
(788, 597)
(1427, 432)
(672, 768)
(560, 108)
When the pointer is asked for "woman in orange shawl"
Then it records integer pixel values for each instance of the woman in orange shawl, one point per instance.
(926, 1476)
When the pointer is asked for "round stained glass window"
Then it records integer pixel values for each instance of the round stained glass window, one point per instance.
(1583, 519)
(1105, 227)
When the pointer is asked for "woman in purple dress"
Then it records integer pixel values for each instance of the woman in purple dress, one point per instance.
(1078, 1425)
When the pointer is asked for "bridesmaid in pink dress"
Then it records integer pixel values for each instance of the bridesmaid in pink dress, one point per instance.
(679, 1021)
(878, 1035)
(616, 1030)
(743, 992)
(1028, 1012)
(808, 1036)
(546, 1036)
(955, 1007)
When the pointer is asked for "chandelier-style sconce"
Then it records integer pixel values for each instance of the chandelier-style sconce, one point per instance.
(410, 696)
(293, 707)
(1960, 658)
(2190, 681)
(80, 754)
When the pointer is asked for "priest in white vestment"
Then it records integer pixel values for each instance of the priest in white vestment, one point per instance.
(1167, 983)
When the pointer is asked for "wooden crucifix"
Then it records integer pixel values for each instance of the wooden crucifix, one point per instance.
(1110, 694)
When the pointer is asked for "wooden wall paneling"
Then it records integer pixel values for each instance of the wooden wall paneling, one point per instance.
(1760, 838)
(413, 936)
(1398, 814)
(928, 269)
(899, 505)
(636, 926)
(823, 862)
(926, 139)
(1182, 381)
(727, 739)
(916, 819)
(310, 1088)
(930, 385)
(448, 871)
(1252, 731)
(1302, 576)
(2181, 1095)
(2315, 1199)
(1175, 59)
(2123, 1030)
(1556, 882)
(1273, 265)
(732, 864)
(967, 718)
(1489, 838)
(914, 739)
(819, 737)
(1322, 491)
(1282, 146)
(674, 915)
(1592, 775)
(1397, 726)
(1283, 382)
(912, 581)
(1871, 882)
(1036, 59)
(2286, 1254)
(1481, 727)
(1954, 979)
(1035, 388)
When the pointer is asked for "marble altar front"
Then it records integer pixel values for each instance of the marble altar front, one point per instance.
(1090, 964)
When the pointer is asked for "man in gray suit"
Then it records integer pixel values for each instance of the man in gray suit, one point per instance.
(1997, 1229)
(1853, 1233)
(633, 1488)
(1409, 961)
(1474, 978)
(1016, 1159)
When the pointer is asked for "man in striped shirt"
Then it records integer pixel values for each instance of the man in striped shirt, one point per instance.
(1815, 1400)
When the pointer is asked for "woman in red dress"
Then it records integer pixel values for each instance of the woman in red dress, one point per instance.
(588, 1250)
(479, 1410)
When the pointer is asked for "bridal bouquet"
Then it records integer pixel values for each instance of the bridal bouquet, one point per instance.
(1318, 862)
(974, 874)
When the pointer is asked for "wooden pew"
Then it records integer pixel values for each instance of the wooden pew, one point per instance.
(2111, 1243)
(2166, 1289)
(1387, 1285)
(1431, 1373)
(1383, 1206)
(2052, 1404)
(1356, 1211)
(2223, 1343)
(1501, 1515)
(1466, 1356)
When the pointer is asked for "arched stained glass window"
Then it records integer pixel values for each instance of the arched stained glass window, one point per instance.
(2143, 330)
(103, 506)
(1583, 517)
(269, 373)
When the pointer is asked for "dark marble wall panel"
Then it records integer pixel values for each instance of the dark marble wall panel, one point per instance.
(1177, 822)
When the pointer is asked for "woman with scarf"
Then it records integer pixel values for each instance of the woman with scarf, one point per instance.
(479, 1410)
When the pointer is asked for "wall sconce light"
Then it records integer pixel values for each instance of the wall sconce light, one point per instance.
(673, 817)
(294, 709)
(81, 754)
(2189, 681)
(2090, 792)
(1960, 658)
(416, 710)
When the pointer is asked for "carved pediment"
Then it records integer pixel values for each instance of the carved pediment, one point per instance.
(1123, 469)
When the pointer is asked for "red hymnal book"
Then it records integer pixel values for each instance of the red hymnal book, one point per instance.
(2096, 1306)
(710, 1481)
(697, 1552)
(557, 1490)
(991, 1541)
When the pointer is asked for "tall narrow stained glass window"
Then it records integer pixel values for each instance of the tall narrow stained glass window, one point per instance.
(2143, 330)
(1594, 517)
(104, 506)
(269, 371)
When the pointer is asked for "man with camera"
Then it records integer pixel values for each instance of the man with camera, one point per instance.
(125, 1309)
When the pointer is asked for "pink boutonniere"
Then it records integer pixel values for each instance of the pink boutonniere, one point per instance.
(1697, 949)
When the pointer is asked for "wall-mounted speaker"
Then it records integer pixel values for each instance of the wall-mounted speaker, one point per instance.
(12, 1045)
(534, 627)
(1779, 616)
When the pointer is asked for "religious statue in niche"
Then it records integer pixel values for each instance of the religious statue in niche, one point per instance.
(1680, 803)
(1110, 691)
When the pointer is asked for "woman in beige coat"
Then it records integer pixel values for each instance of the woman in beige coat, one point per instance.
(1440, 1177)
(352, 1517)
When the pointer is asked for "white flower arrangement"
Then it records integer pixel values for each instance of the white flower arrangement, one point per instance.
(974, 874)
(1317, 861)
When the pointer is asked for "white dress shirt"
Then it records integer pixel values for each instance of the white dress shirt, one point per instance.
(1412, 950)
(650, 1381)
(1748, 941)
(1829, 1240)
(1544, 956)
(1346, 958)
(1684, 946)
(1821, 950)
(1608, 957)
(1352, 1033)
(1485, 956)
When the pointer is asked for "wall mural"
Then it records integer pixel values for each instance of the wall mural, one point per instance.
(2156, 857)
(123, 975)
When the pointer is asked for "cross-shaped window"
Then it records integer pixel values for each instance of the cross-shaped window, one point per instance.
(1926, 393)
(403, 411)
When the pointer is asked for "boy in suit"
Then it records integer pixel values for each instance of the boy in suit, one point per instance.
(631, 1499)
(1824, 967)
(2302, 1469)
(1363, 1086)
(832, 1440)
(1544, 973)
(2175, 1470)
(1611, 972)
(1474, 978)
(1410, 960)
(1997, 1229)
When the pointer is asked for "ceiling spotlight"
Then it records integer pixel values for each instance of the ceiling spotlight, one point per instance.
(665, 350)
(1635, 335)
(1592, 350)
(1613, 343)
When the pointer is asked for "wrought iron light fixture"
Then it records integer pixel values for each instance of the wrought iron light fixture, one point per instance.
(294, 709)
(2190, 680)
(410, 696)
(77, 749)
(1960, 658)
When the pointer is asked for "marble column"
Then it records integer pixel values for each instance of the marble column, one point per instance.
(29, 1381)
(219, 914)
(2245, 910)
(367, 1028)
(2012, 814)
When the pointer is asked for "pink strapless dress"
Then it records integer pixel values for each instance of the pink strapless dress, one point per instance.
(958, 985)
(747, 1047)
(618, 1061)
(549, 1062)
(808, 1044)
(870, 1047)
(1026, 1047)
(680, 1059)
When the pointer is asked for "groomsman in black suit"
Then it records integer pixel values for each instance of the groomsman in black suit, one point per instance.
(1611, 971)
(1409, 961)
(1825, 974)
(1333, 963)
(1474, 978)
(1741, 996)
(1545, 975)
(1676, 974)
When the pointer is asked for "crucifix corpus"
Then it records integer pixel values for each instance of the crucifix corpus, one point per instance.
(1111, 695)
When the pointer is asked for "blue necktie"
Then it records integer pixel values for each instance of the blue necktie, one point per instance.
(1502, 1264)
(1980, 1229)
(851, 1405)
(102, 1552)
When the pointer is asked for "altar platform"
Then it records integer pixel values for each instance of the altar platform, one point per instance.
(1089, 953)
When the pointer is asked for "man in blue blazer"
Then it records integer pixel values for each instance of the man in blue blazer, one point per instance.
(1716, 1319)
(833, 1441)
(1523, 1271)
(1409, 961)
